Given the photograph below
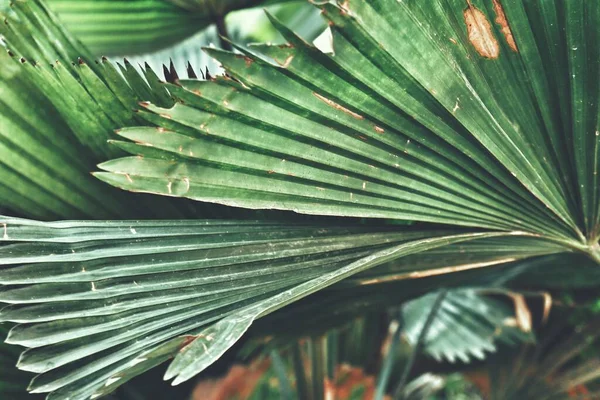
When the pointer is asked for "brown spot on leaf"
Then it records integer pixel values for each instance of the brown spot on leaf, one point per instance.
(522, 313)
(379, 129)
(547, 306)
(188, 339)
(504, 28)
(344, 7)
(480, 32)
(337, 106)
(287, 61)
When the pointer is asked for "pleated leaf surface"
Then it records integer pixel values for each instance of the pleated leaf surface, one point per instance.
(99, 302)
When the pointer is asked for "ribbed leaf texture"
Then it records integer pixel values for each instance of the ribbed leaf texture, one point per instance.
(466, 325)
(99, 302)
(128, 27)
(57, 113)
(481, 116)
(408, 119)
(13, 383)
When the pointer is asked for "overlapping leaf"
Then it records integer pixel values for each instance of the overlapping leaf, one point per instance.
(99, 302)
(13, 383)
(128, 27)
(43, 171)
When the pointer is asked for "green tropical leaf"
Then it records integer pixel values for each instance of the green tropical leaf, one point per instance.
(95, 299)
(44, 167)
(128, 27)
(13, 383)
(472, 118)
(413, 128)
(186, 56)
(48, 150)
(466, 325)
(413, 116)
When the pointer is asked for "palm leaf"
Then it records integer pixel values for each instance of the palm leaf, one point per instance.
(48, 150)
(13, 383)
(99, 302)
(139, 26)
(128, 27)
(391, 130)
(415, 116)
(185, 56)
(466, 325)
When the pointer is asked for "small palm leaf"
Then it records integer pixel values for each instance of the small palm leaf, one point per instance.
(466, 325)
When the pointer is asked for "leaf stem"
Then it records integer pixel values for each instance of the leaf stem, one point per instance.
(300, 374)
(223, 33)
(398, 393)
(594, 251)
(319, 365)
(388, 362)
(280, 372)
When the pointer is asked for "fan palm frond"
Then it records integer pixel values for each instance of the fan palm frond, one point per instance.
(473, 119)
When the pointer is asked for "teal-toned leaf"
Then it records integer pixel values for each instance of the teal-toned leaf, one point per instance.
(13, 383)
(91, 297)
(466, 325)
